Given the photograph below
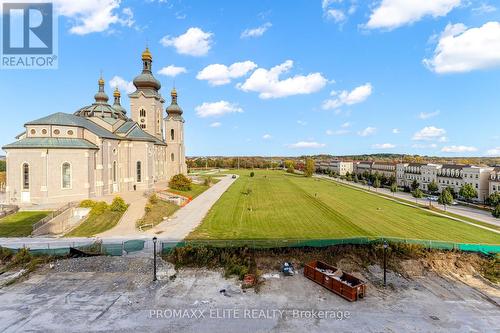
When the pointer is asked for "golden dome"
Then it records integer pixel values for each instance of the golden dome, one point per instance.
(101, 81)
(116, 93)
(173, 92)
(146, 55)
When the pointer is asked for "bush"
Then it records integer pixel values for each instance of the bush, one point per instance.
(252, 174)
(118, 205)
(88, 203)
(99, 208)
(153, 199)
(496, 211)
(148, 208)
(208, 181)
(418, 193)
(180, 182)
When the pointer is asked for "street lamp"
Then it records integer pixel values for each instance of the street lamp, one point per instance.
(385, 262)
(154, 258)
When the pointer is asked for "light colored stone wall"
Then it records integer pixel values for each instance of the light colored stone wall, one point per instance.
(176, 158)
(153, 118)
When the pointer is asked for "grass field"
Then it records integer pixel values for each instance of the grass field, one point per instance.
(96, 224)
(284, 206)
(20, 224)
(159, 210)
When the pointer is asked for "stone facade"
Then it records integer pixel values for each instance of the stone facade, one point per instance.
(98, 150)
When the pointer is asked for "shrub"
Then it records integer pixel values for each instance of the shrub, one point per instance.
(99, 208)
(418, 193)
(153, 199)
(148, 208)
(252, 174)
(118, 205)
(88, 203)
(208, 181)
(180, 182)
(496, 211)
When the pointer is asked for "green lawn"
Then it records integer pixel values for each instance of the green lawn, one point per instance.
(284, 206)
(20, 224)
(96, 224)
(196, 190)
(159, 210)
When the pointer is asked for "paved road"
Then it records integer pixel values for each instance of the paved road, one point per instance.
(190, 216)
(465, 211)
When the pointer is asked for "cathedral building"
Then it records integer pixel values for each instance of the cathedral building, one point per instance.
(99, 150)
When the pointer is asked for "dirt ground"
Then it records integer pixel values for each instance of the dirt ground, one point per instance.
(117, 294)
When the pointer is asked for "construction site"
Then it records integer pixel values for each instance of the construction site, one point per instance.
(205, 290)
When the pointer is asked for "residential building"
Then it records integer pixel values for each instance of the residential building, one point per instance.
(388, 169)
(478, 177)
(494, 180)
(362, 167)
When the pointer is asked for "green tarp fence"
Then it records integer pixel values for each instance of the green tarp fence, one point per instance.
(298, 243)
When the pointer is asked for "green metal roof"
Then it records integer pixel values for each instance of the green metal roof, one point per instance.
(123, 129)
(51, 143)
(66, 119)
(138, 134)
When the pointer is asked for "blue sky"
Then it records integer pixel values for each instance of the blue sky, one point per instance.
(308, 77)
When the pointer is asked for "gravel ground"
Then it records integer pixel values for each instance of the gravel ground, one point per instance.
(117, 294)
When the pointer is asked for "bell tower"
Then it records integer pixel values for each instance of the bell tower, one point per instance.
(174, 137)
(146, 103)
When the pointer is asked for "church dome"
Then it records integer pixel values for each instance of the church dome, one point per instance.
(174, 108)
(146, 80)
(117, 105)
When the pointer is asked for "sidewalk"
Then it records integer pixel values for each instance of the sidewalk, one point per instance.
(190, 216)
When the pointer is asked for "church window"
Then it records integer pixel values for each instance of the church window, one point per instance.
(172, 134)
(172, 157)
(142, 113)
(70, 132)
(33, 131)
(26, 176)
(44, 131)
(56, 132)
(114, 172)
(66, 175)
(139, 172)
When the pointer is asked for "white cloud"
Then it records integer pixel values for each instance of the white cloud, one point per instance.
(383, 146)
(268, 84)
(216, 109)
(367, 131)
(301, 122)
(426, 146)
(306, 144)
(493, 152)
(217, 74)
(337, 132)
(122, 84)
(93, 15)
(346, 125)
(427, 115)
(256, 32)
(172, 71)
(267, 136)
(336, 15)
(484, 8)
(215, 124)
(194, 42)
(357, 95)
(430, 133)
(391, 14)
(458, 149)
(463, 50)
(396, 131)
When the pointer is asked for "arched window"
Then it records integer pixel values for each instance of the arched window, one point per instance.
(172, 134)
(139, 172)
(26, 176)
(114, 172)
(142, 113)
(66, 175)
(172, 157)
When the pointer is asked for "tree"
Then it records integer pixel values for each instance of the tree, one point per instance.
(394, 187)
(496, 211)
(445, 198)
(3, 166)
(309, 170)
(180, 182)
(433, 187)
(376, 183)
(468, 192)
(417, 194)
(494, 199)
(356, 179)
(252, 174)
(452, 192)
(415, 185)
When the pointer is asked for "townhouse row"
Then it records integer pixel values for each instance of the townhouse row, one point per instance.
(484, 179)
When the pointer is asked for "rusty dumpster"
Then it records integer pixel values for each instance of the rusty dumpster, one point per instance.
(335, 280)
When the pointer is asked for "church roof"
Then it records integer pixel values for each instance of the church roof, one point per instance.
(66, 119)
(51, 143)
(139, 135)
